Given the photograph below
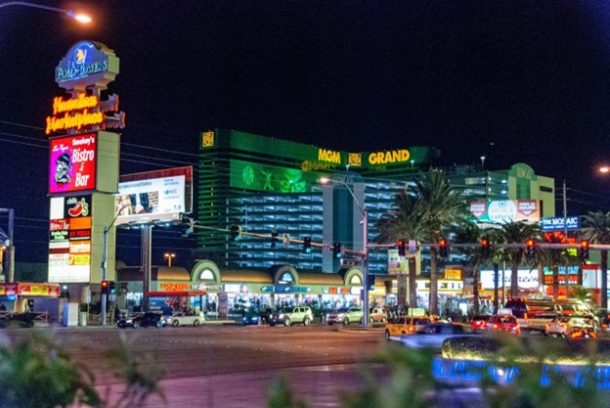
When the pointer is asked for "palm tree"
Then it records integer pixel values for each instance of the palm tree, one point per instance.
(468, 233)
(516, 233)
(441, 207)
(556, 258)
(403, 222)
(596, 228)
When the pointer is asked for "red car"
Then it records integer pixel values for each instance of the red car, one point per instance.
(504, 323)
(479, 323)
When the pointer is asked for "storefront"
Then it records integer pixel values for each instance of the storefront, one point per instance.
(22, 297)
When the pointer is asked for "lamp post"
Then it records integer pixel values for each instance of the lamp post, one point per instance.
(80, 17)
(365, 252)
(169, 256)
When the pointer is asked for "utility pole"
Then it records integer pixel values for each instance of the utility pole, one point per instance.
(105, 263)
(565, 234)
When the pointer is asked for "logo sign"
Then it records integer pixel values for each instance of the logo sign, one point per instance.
(527, 207)
(79, 206)
(85, 65)
(478, 208)
(72, 163)
(389, 157)
(84, 113)
(453, 274)
(557, 223)
(329, 156)
(207, 139)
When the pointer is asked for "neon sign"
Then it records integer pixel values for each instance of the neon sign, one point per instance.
(82, 112)
(87, 64)
(329, 156)
(72, 163)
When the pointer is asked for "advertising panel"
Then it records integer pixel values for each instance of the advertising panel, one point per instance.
(528, 279)
(72, 163)
(70, 239)
(503, 211)
(153, 199)
(557, 224)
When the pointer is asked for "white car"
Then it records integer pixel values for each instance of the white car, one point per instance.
(561, 326)
(433, 336)
(186, 319)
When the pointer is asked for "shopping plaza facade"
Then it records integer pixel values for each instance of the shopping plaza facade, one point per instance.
(270, 187)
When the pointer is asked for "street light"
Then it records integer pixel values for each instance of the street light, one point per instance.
(169, 256)
(80, 17)
(365, 251)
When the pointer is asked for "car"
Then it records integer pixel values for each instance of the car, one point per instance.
(504, 323)
(564, 326)
(377, 315)
(433, 335)
(404, 325)
(293, 315)
(538, 322)
(189, 318)
(147, 319)
(479, 323)
(256, 317)
(345, 315)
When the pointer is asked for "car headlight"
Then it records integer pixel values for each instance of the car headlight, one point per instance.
(340, 315)
(281, 316)
(129, 321)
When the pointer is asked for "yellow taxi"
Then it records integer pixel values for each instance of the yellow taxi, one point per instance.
(405, 325)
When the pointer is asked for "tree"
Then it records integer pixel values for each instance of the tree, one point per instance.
(470, 232)
(516, 233)
(555, 258)
(441, 207)
(403, 222)
(596, 229)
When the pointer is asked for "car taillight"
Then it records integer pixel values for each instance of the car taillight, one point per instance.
(496, 326)
(525, 315)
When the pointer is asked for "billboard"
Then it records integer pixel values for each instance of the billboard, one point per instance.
(560, 224)
(142, 201)
(503, 211)
(72, 163)
(527, 278)
(70, 239)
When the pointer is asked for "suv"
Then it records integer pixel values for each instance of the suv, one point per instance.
(345, 315)
(299, 314)
(539, 311)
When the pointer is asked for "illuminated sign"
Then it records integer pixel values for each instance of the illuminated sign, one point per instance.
(389, 157)
(527, 279)
(503, 211)
(75, 207)
(354, 159)
(207, 139)
(84, 112)
(174, 286)
(69, 268)
(329, 156)
(453, 274)
(557, 223)
(87, 64)
(72, 163)
(152, 199)
(29, 289)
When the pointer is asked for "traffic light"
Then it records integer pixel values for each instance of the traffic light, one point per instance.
(530, 247)
(402, 250)
(584, 251)
(104, 286)
(485, 247)
(274, 235)
(443, 247)
(112, 287)
(370, 282)
(235, 231)
(337, 250)
(307, 245)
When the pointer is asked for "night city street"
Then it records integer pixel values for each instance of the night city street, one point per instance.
(304, 203)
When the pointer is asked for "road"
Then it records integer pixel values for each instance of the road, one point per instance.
(231, 366)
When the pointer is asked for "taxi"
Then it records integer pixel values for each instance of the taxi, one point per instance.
(405, 325)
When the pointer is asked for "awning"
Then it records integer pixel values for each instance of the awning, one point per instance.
(183, 293)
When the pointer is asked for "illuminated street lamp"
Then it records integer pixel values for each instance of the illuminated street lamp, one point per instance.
(169, 256)
(604, 169)
(365, 252)
(80, 17)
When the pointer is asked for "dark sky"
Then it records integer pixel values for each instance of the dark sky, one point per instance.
(512, 80)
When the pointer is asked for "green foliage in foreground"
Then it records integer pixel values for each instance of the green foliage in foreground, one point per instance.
(411, 384)
(37, 373)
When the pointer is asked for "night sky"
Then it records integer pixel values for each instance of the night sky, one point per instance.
(512, 80)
